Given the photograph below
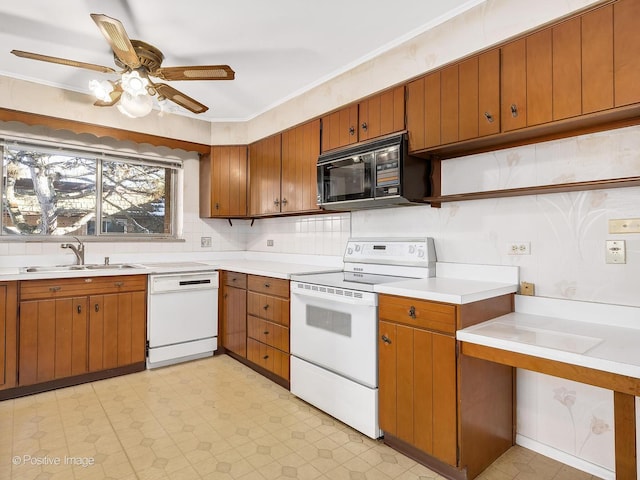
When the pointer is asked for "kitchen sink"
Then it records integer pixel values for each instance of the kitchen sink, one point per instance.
(54, 268)
(110, 266)
(73, 268)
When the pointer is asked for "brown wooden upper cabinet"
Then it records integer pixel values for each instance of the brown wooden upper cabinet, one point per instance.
(283, 171)
(223, 182)
(459, 102)
(372, 117)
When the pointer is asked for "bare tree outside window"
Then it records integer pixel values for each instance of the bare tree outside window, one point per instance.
(53, 194)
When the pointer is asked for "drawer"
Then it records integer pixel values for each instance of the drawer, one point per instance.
(268, 285)
(80, 286)
(268, 358)
(267, 332)
(275, 309)
(436, 316)
(234, 279)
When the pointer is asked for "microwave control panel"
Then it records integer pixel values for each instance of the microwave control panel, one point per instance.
(388, 172)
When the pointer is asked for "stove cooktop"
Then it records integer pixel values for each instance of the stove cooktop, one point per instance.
(363, 282)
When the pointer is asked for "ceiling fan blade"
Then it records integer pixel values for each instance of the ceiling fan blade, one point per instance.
(180, 98)
(62, 61)
(116, 35)
(115, 97)
(204, 72)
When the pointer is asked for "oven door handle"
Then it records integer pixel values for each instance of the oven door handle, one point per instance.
(330, 293)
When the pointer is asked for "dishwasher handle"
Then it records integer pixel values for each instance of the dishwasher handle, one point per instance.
(194, 282)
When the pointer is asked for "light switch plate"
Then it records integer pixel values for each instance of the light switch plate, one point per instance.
(616, 251)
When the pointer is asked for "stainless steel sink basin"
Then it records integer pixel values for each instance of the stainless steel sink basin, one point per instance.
(111, 266)
(54, 268)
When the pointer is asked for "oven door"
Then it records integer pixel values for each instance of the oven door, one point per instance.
(336, 329)
(346, 179)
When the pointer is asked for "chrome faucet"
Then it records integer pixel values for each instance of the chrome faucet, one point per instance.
(78, 251)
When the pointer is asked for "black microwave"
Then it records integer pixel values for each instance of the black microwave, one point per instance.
(380, 173)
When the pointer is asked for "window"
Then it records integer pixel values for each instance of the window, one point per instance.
(50, 191)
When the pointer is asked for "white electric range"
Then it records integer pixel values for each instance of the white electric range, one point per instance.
(334, 327)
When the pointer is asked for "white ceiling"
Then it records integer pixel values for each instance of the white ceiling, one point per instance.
(278, 48)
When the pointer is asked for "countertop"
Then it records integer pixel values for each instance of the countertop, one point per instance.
(602, 346)
(449, 290)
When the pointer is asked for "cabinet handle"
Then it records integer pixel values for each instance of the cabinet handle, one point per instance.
(386, 339)
(284, 201)
(79, 308)
(55, 289)
(352, 131)
(276, 202)
(489, 117)
(234, 279)
(118, 284)
(364, 126)
(514, 110)
(265, 357)
(412, 312)
(226, 295)
(267, 285)
(97, 307)
(266, 332)
(266, 306)
(217, 206)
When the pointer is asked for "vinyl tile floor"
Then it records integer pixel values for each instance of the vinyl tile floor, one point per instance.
(207, 419)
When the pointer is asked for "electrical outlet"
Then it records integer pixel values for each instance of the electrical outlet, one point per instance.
(527, 288)
(624, 225)
(205, 242)
(519, 248)
(269, 243)
(615, 251)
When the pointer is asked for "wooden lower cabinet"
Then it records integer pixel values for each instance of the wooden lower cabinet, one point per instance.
(8, 338)
(268, 324)
(454, 414)
(75, 326)
(233, 324)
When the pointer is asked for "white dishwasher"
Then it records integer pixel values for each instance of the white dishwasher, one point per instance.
(182, 317)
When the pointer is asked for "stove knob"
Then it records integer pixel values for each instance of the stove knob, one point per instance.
(421, 253)
(357, 248)
(412, 249)
(349, 250)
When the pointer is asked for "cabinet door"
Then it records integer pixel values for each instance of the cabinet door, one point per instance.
(449, 92)
(56, 345)
(597, 60)
(264, 171)
(468, 96)
(626, 14)
(228, 181)
(300, 150)
(117, 330)
(567, 69)
(513, 112)
(423, 112)
(387, 378)
(381, 114)
(539, 91)
(8, 340)
(340, 128)
(488, 93)
(234, 320)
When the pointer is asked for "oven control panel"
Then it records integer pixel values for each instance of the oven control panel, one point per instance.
(416, 252)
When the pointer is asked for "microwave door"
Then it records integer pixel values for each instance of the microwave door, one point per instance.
(348, 178)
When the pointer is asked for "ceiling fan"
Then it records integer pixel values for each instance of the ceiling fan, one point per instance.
(138, 61)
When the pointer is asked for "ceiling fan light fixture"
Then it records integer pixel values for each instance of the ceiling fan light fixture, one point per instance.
(101, 90)
(133, 84)
(135, 106)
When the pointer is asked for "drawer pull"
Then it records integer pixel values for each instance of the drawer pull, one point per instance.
(265, 357)
(412, 312)
(386, 339)
(97, 307)
(266, 332)
(267, 285)
(266, 306)
(234, 279)
(118, 284)
(55, 289)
